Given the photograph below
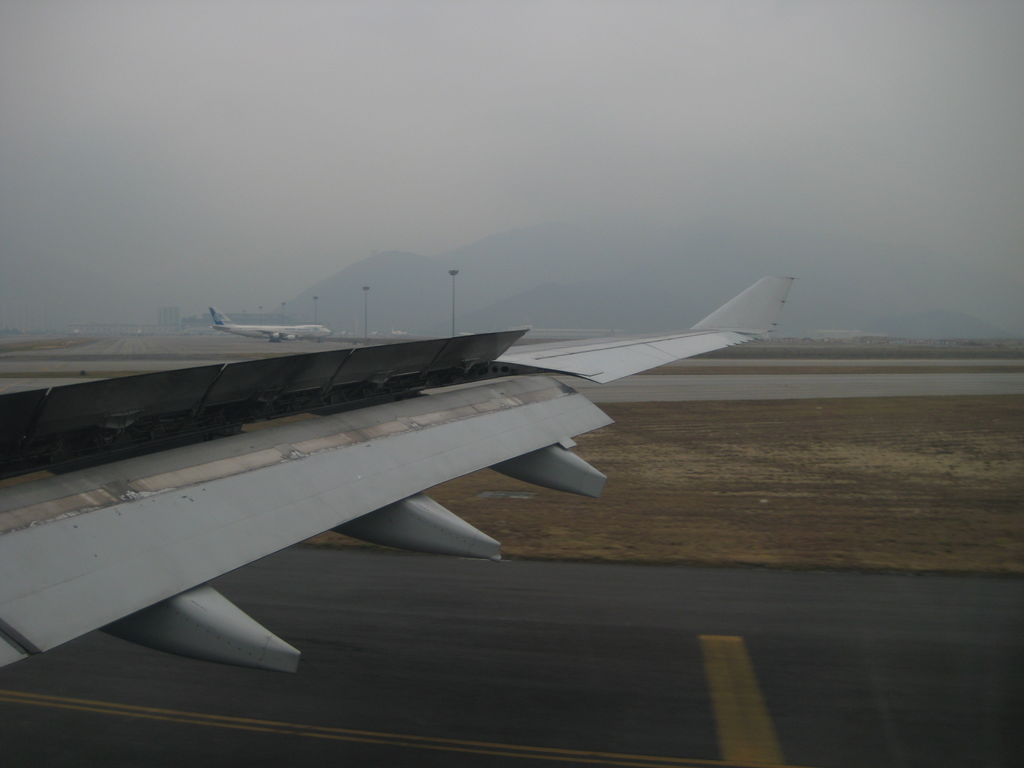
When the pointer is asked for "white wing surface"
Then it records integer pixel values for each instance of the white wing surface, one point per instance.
(83, 549)
(749, 315)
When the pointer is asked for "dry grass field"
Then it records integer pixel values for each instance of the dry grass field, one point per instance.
(13, 344)
(927, 484)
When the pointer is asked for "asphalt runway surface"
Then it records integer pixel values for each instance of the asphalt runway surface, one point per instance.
(428, 661)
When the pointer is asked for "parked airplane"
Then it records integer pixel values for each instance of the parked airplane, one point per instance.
(222, 322)
(122, 498)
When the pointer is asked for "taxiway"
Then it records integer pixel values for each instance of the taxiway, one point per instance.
(427, 661)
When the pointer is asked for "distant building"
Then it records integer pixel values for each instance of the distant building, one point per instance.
(169, 317)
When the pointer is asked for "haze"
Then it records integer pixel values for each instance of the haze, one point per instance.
(188, 153)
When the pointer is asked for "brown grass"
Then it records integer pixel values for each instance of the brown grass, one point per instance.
(910, 484)
(14, 345)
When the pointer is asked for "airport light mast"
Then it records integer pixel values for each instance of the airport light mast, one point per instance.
(453, 273)
(366, 330)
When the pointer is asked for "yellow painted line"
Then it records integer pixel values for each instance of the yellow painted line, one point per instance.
(366, 737)
(19, 479)
(256, 426)
(745, 730)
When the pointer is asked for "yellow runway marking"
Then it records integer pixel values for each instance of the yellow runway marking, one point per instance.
(19, 479)
(745, 730)
(367, 737)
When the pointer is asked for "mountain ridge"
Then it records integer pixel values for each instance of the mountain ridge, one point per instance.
(632, 277)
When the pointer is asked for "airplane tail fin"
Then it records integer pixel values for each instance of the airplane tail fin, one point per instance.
(218, 318)
(756, 310)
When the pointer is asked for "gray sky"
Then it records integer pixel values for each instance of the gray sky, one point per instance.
(239, 150)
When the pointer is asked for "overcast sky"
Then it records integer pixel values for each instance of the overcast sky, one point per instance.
(247, 148)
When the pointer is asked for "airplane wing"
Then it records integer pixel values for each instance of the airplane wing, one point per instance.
(81, 550)
(120, 499)
(749, 315)
(118, 505)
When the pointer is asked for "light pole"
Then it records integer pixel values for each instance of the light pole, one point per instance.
(366, 329)
(315, 321)
(453, 273)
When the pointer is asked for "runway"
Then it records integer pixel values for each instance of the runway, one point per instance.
(428, 661)
(141, 354)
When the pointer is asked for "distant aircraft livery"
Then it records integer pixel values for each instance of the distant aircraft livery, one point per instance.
(120, 499)
(222, 322)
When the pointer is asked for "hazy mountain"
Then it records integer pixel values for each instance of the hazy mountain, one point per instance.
(407, 292)
(632, 276)
(608, 306)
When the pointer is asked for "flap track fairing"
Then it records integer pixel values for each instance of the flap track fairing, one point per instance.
(203, 624)
(421, 524)
(557, 468)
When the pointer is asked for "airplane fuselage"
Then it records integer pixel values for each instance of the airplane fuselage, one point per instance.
(222, 322)
(276, 332)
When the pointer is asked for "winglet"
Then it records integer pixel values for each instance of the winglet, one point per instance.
(755, 311)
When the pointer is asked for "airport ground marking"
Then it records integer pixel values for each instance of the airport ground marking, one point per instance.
(551, 754)
(745, 730)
